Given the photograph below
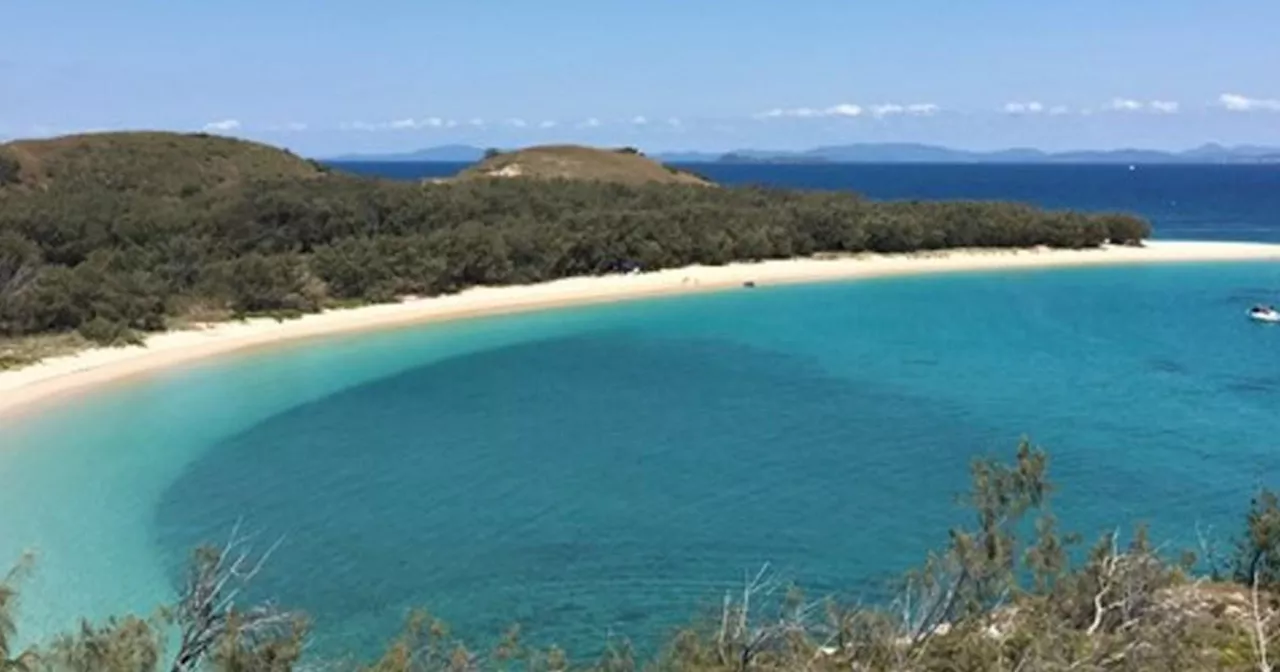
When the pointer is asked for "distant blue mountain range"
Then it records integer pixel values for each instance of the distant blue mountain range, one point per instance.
(442, 154)
(895, 153)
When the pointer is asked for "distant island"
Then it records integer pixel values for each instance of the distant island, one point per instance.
(1211, 153)
(735, 157)
(440, 154)
(919, 153)
(625, 165)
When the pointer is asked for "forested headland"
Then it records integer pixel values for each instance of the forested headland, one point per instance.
(112, 235)
(1008, 591)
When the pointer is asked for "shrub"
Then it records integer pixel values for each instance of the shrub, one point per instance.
(1124, 229)
(256, 283)
(105, 332)
(10, 168)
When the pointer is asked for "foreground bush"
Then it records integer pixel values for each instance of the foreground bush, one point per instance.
(991, 599)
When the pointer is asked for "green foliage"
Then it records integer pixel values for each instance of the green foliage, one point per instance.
(1257, 554)
(128, 643)
(10, 168)
(16, 353)
(241, 651)
(574, 162)
(380, 269)
(11, 660)
(18, 259)
(1125, 229)
(103, 331)
(979, 569)
(426, 645)
(20, 262)
(103, 303)
(255, 283)
(154, 163)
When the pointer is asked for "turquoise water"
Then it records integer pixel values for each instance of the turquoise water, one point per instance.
(615, 467)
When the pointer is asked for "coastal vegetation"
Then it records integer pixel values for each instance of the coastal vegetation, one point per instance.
(110, 236)
(625, 165)
(1008, 591)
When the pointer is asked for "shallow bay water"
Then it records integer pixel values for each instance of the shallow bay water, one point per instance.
(613, 468)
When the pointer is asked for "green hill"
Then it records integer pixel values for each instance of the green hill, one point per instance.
(113, 235)
(155, 163)
(573, 162)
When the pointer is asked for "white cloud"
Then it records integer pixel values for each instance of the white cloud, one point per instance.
(547, 124)
(476, 121)
(887, 109)
(674, 122)
(222, 126)
(639, 120)
(1153, 106)
(1235, 102)
(851, 110)
(406, 124)
(517, 122)
(1029, 107)
(1125, 105)
(590, 123)
(841, 110)
(914, 109)
(1036, 107)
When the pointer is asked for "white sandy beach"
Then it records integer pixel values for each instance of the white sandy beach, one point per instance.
(63, 375)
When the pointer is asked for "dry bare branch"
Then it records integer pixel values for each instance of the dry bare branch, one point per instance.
(1261, 625)
(206, 612)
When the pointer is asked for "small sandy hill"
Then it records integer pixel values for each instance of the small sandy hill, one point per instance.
(158, 163)
(572, 162)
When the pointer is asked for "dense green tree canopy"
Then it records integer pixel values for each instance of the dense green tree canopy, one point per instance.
(111, 240)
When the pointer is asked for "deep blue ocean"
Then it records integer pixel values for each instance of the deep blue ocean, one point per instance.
(1183, 201)
(614, 468)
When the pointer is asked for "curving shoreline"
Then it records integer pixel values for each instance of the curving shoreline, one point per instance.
(58, 376)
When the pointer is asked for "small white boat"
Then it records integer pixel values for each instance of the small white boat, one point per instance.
(1264, 314)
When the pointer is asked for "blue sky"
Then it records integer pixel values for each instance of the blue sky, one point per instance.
(332, 76)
